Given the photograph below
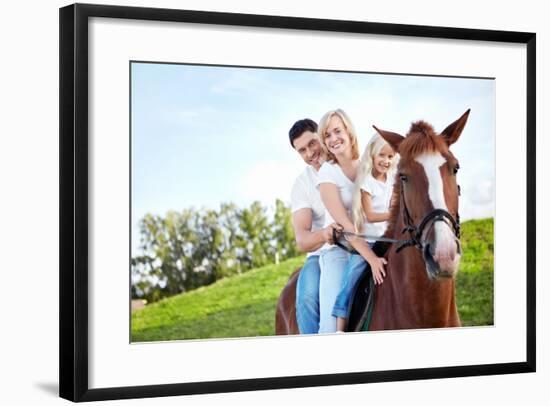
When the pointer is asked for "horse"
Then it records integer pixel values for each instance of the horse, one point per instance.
(419, 288)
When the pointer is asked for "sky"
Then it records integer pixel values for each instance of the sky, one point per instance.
(203, 135)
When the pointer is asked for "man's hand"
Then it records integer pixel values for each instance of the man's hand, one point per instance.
(328, 232)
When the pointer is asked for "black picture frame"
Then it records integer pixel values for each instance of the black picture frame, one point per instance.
(74, 171)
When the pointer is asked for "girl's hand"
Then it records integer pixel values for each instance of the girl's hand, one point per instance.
(378, 271)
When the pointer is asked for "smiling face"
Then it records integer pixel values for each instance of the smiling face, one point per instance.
(336, 137)
(309, 147)
(382, 162)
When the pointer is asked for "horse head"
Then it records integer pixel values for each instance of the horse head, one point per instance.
(428, 193)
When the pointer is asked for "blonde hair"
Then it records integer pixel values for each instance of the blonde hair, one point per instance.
(323, 124)
(375, 145)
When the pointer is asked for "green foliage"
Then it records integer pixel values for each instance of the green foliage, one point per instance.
(192, 248)
(254, 238)
(475, 280)
(283, 231)
(244, 305)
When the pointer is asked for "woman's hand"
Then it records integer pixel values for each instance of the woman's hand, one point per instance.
(378, 271)
(328, 233)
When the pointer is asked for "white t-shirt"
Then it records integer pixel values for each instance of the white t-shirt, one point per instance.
(332, 173)
(380, 193)
(305, 195)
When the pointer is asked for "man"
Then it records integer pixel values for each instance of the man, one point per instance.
(308, 215)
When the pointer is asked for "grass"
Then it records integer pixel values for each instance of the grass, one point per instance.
(474, 285)
(238, 306)
(244, 305)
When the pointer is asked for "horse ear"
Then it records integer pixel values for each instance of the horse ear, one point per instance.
(453, 131)
(393, 139)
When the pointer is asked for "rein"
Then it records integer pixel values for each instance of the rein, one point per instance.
(336, 234)
(416, 232)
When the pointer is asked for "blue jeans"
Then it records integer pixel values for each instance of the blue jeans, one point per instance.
(352, 273)
(333, 262)
(307, 296)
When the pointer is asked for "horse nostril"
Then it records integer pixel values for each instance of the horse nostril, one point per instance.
(430, 249)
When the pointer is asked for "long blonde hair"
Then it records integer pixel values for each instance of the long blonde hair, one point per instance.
(375, 145)
(322, 129)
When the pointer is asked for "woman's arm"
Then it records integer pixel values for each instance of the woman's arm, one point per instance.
(372, 216)
(307, 240)
(330, 195)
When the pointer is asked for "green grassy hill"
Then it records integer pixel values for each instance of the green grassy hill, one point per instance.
(244, 305)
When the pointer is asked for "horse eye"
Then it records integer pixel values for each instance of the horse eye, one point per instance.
(456, 168)
(403, 177)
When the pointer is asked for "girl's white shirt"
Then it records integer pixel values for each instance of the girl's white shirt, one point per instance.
(380, 193)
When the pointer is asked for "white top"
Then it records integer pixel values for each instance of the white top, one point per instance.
(305, 195)
(332, 173)
(380, 193)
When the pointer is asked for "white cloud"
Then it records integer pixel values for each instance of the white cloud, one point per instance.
(481, 192)
(469, 210)
(267, 181)
(478, 199)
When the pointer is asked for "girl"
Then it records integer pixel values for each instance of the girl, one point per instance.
(336, 186)
(370, 212)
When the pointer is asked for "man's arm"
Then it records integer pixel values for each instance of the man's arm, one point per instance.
(307, 240)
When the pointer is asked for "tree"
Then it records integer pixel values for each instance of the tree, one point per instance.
(254, 237)
(283, 232)
(228, 219)
(188, 249)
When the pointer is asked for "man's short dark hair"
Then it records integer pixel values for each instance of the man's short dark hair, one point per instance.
(300, 127)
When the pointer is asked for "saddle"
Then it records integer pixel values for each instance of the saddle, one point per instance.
(363, 296)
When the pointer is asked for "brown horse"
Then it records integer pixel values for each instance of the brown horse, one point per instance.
(419, 288)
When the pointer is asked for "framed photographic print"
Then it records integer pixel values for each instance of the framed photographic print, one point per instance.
(201, 154)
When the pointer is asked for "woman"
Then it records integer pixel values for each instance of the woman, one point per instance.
(336, 185)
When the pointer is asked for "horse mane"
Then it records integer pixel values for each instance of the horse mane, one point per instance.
(420, 139)
(394, 208)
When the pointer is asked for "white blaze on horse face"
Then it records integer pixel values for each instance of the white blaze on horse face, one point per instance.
(432, 163)
(445, 248)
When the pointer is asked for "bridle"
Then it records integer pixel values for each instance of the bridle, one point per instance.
(416, 232)
(429, 220)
